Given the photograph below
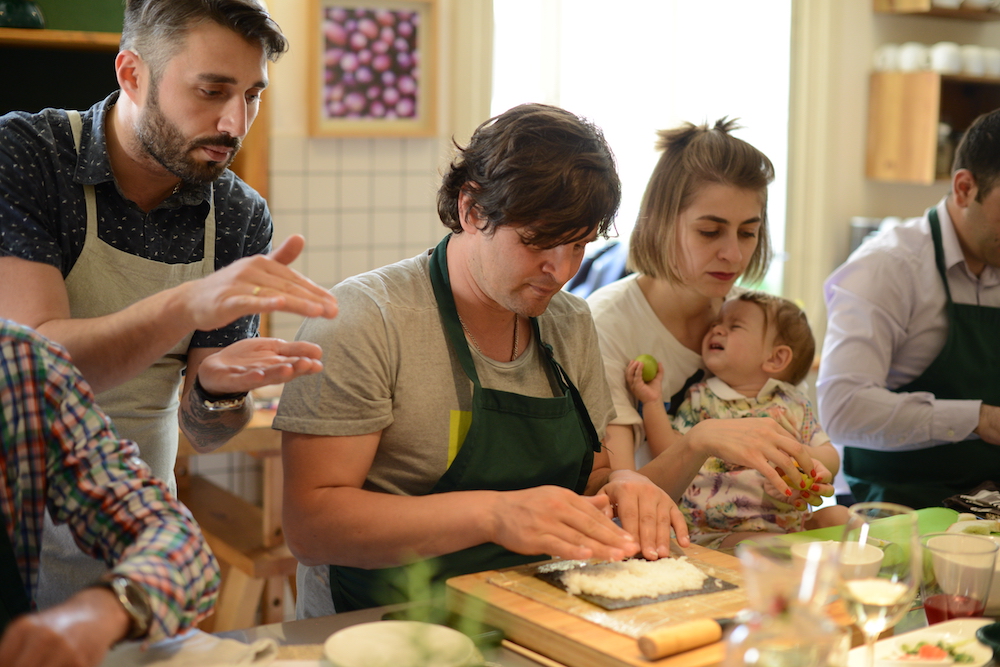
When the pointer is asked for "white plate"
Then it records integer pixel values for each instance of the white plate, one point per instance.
(958, 631)
(400, 644)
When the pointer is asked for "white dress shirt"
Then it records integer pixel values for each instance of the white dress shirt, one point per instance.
(886, 324)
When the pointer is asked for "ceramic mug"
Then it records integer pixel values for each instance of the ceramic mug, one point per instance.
(947, 4)
(991, 61)
(913, 56)
(946, 58)
(973, 61)
(886, 58)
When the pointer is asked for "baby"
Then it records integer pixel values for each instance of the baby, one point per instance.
(758, 350)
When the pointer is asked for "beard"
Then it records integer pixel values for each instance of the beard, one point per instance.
(163, 141)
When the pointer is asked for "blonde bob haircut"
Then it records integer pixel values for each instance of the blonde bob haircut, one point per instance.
(695, 156)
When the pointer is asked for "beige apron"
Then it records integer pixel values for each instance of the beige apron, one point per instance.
(106, 280)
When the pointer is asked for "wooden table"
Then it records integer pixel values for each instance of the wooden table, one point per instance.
(248, 540)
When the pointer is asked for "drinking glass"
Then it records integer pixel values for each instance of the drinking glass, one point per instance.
(958, 571)
(787, 589)
(878, 597)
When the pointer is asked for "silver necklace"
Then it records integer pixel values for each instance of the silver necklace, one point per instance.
(513, 354)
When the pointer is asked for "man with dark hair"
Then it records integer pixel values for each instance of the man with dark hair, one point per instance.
(60, 454)
(909, 380)
(461, 413)
(124, 238)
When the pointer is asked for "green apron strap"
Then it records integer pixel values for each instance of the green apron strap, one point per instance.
(13, 599)
(567, 385)
(441, 282)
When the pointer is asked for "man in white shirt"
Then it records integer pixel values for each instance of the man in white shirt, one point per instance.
(910, 379)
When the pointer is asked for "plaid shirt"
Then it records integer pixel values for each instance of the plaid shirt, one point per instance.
(61, 452)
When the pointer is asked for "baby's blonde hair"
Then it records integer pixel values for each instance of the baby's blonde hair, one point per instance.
(791, 328)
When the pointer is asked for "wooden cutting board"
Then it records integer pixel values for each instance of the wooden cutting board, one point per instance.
(564, 628)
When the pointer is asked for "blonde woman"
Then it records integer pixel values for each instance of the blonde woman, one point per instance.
(702, 226)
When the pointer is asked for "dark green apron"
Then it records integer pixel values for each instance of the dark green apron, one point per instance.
(13, 598)
(968, 367)
(514, 442)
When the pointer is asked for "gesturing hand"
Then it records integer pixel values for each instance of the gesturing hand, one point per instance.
(646, 511)
(257, 284)
(555, 521)
(256, 362)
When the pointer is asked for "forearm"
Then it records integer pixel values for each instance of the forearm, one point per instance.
(114, 348)
(660, 433)
(358, 528)
(873, 417)
(206, 429)
(77, 632)
(674, 472)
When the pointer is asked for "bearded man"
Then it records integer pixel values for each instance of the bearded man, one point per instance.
(124, 238)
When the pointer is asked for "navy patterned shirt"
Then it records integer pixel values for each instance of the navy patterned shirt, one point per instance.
(43, 210)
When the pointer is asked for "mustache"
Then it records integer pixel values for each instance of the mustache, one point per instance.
(221, 140)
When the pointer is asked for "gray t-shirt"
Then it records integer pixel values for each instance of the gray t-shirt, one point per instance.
(388, 365)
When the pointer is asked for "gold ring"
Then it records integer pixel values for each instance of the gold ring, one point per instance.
(257, 289)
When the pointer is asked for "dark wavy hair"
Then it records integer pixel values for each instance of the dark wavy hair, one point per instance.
(155, 29)
(538, 166)
(979, 152)
(695, 156)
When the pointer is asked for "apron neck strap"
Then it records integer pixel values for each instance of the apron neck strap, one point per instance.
(935, 223)
(441, 282)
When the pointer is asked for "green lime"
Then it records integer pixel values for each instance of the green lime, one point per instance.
(649, 366)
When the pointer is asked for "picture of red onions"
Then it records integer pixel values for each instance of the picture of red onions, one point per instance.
(371, 63)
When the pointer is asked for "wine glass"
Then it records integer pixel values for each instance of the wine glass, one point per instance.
(880, 591)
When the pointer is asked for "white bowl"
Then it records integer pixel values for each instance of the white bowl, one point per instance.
(400, 644)
(856, 561)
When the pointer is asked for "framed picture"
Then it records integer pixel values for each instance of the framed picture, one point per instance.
(372, 68)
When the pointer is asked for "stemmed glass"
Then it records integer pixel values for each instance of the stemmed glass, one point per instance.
(879, 588)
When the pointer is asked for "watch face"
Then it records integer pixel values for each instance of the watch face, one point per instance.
(136, 603)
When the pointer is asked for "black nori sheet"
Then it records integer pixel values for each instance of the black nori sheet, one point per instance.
(550, 573)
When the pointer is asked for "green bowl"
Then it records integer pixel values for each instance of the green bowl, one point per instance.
(990, 635)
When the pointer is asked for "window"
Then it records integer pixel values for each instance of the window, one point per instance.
(637, 66)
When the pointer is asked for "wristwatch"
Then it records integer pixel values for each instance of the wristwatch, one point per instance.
(133, 599)
(218, 402)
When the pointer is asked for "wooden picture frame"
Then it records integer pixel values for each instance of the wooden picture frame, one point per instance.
(373, 68)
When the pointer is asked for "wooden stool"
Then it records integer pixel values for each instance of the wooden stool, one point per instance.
(246, 539)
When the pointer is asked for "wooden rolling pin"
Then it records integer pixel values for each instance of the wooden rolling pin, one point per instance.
(679, 637)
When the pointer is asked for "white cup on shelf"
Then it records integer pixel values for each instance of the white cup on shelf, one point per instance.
(913, 57)
(973, 60)
(886, 58)
(946, 58)
(991, 62)
(947, 4)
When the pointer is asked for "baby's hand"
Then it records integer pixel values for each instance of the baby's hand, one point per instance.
(645, 392)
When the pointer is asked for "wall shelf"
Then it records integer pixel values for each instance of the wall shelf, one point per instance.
(927, 8)
(904, 110)
(75, 40)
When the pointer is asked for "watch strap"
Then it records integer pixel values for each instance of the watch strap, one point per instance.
(217, 402)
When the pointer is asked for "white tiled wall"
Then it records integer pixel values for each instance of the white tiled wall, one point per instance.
(360, 203)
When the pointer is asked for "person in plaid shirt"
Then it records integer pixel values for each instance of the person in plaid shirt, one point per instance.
(61, 453)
